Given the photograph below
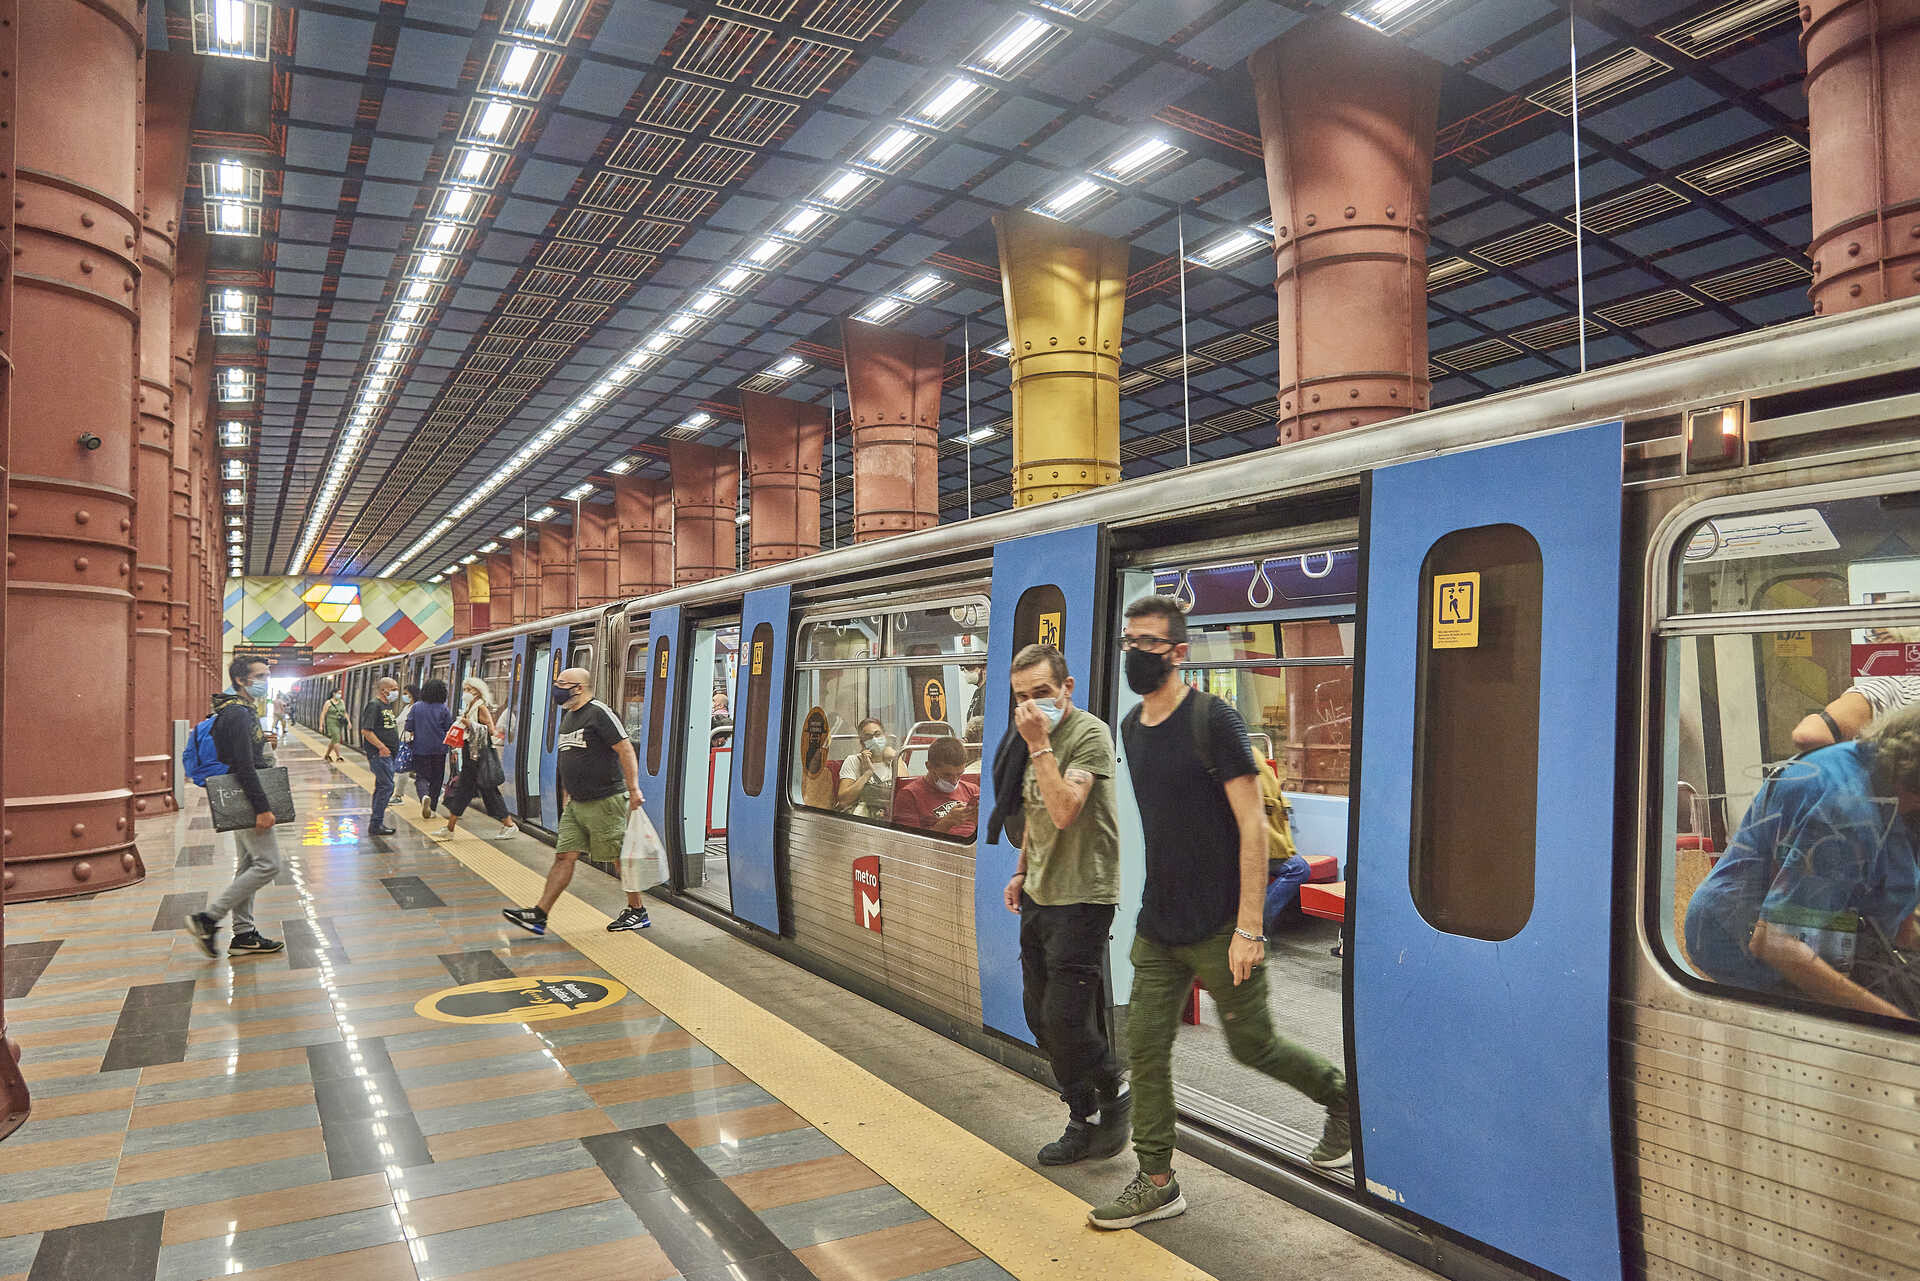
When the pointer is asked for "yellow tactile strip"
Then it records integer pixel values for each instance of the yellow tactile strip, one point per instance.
(1017, 1217)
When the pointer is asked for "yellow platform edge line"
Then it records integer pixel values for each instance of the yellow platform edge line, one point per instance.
(1023, 1221)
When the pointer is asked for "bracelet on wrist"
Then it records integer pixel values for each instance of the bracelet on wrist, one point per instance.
(1251, 938)
(1038, 753)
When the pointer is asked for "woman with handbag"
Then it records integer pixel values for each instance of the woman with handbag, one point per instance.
(430, 720)
(476, 737)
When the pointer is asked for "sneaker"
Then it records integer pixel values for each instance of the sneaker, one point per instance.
(426, 808)
(380, 831)
(1139, 1202)
(444, 834)
(202, 927)
(634, 918)
(1071, 1146)
(1112, 1127)
(254, 943)
(1336, 1140)
(505, 832)
(530, 919)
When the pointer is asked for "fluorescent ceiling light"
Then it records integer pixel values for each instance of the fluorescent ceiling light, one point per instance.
(232, 216)
(545, 513)
(474, 163)
(579, 491)
(890, 146)
(409, 310)
(519, 64)
(468, 559)
(229, 22)
(843, 186)
(440, 234)
(1138, 157)
(951, 97)
(620, 466)
(735, 278)
(541, 13)
(786, 366)
(234, 522)
(1003, 348)
(742, 518)
(765, 251)
(920, 287)
(232, 323)
(803, 220)
(1233, 245)
(488, 549)
(697, 421)
(232, 299)
(979, 434)
(1007, 49)
(881, 310)
(680, 322)
(660, 342)
(1063, 202)
(457, 201)
(419, 289)
(704, 303)
(493, 119)
(430, 264)
(231, 178)
(515, 532)
(438, 578)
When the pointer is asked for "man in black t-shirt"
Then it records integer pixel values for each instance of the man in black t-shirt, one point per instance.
(1200, 910)
(380, 739)
(601, 778)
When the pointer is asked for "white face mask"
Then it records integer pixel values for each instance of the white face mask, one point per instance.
(948, 785)
(878, 743)
(1051, 710)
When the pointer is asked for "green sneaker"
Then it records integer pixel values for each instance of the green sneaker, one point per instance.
(1139, 1202)
(1335, 1151)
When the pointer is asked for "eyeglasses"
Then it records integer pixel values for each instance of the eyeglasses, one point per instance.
(1149, 644)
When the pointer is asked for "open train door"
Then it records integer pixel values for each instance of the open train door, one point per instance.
(754, 781)
(1483, 861)
(1047, 588)
(656, 749)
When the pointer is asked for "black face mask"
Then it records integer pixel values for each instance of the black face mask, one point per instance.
(1146, 672)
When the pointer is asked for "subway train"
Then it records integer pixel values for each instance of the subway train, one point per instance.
(1522, 665)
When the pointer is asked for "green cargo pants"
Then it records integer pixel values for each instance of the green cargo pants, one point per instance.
(1162, 977)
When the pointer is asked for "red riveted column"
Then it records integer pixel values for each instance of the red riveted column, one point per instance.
(1863, 129)
(1347, 118)
(500, 593)
(596, 551)
(462, 605)
(188, 284)
(784, 440)
(893, 395)
(644, 510)
(706, 497)
(201, 496)
(69, 809)
(15, 1101)
(171, 79)
(557, 586)
(526, 576)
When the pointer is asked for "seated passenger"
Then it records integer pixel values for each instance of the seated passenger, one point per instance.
(941, 800)
(1866, 700)
(1824, 857)
(866, 777)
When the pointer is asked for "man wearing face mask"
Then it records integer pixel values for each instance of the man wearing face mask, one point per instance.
(1205, 825)
(940, 800)
(1065, 892)
(380, 739)
(601, 777)
(242, 748)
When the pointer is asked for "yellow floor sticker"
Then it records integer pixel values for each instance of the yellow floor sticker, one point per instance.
(519, 1000)
(1023, 1221)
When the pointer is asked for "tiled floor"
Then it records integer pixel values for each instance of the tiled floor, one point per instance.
(292, 1116)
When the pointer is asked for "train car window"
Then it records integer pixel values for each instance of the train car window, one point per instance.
(657, 713)
(582, 657)
(759, 692)
(887, 714)
(1786, 863)
(633, 688)
(1476, 735)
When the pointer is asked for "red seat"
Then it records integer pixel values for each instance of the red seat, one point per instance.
(1322, 867)
(1327, 901)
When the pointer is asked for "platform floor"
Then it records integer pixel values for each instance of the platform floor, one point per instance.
(730, 1117)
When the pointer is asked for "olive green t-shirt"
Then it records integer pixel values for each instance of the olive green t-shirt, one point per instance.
(1081, 864)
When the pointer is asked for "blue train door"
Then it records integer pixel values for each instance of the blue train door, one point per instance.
(655, 743)
(754, 781)
(1482, 884)
(540, 783)
(1050, 588)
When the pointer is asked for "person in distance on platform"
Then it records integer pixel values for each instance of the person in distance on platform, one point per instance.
(380, 739)
(1065, 892)
(601, 777)
(866, 777)
(482, 734)
(940, 800)
(429, 720)
(1200, 908)
(242, 748)
(1823, 868)
(333, 723)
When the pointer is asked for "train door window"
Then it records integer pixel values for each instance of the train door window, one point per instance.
(758, 694)
(582, 657)
(1785, 865)
(883, 699)
(713, 671)
(539, 722)
(660, 670)
(633, 689)
(496, 669)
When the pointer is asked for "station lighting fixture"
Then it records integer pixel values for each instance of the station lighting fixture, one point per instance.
(979, 434)
(742, 518)
(1390, 16)
(469, 559)
(881, 310)
(236, 386)
(921, 287)
(945, 105)
(548, 20)
(1081, 9)
(705, 304)
(1082, 192)
(515, 532)
(233, 435)
(786, 367)
(232, 192)
(1002, 349)
(1230, 248)
(232, 28)
(235, 522)
(236, 497)
(438, 578)
(734, 278)
(849, 186)
(235, 536)
(233, 312)
(518, 70)
(545, 513)
(1014, 47)
(680, 323)
(1139, 160)
(579, 491)
(892, 149)
(233, 469)
(620, 466)
(488, 549)
(801, 221)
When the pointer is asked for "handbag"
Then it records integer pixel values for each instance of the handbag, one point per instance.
(233, 812)
(643, 855)
(488, 771)
(456, 736)
(403, 759)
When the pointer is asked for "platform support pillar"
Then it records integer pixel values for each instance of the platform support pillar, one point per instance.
(706, 497)
(500, 594)
(643, 508)
(596, 554)
(893, 395)
(557, 584)
(784, 443)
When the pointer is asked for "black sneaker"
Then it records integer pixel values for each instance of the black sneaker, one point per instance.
(530, 919)
(1112, 1127)
(634, 918)
(1071, 1146)
(203, 927)
(380, 831)
(254, 943)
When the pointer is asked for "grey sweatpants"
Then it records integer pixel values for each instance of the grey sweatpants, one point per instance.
(256, 862)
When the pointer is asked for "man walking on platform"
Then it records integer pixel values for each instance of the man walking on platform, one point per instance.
(1195, 779)
(380, 739)
(601, 778)
(242, 748)
(1065, 891)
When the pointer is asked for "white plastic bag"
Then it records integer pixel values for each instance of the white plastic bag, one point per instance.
(642, 853)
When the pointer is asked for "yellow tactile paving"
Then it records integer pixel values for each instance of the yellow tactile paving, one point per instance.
(1015, 1216)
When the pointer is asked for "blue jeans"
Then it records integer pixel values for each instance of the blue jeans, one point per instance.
(382, 787)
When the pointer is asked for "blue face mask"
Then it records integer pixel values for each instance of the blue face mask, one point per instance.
(257, 689)
(1052, 711)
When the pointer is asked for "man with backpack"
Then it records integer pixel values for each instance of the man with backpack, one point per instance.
(230, 742)
(1199, 795)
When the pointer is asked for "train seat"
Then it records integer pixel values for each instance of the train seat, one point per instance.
(1321, 868)
(1327, 901)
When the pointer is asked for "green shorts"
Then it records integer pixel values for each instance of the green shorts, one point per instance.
(594, 828)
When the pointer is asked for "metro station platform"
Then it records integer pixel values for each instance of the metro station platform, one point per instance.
(706, 1111)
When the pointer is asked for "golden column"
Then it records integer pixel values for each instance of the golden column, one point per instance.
(1065, 290)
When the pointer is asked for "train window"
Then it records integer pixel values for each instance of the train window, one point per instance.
(1786, 860)
(633, 688)
(1476, 733)
(887, 714)
(582, 657)
(759, 692)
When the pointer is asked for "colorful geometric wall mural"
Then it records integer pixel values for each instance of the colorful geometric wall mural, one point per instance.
(338, 615)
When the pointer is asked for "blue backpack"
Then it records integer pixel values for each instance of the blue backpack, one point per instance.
(201, 760)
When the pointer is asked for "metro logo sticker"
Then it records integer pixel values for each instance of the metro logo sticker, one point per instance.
(519, 1000)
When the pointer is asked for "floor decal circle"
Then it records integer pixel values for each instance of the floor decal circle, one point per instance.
(519, 1000)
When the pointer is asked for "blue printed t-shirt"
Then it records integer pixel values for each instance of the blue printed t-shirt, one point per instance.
(1817, 852)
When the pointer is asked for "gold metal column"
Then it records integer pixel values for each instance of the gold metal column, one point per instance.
(479, 596)
(1065, 291)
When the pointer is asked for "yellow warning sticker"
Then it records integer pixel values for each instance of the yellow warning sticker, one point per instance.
(1050, 629)
(1793, 644)
(1456, 611)
(519, 1000)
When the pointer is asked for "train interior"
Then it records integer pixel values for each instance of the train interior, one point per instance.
(1740, 693)
(715, 671)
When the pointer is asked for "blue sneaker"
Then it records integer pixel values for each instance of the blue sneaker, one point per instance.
(530, 919)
